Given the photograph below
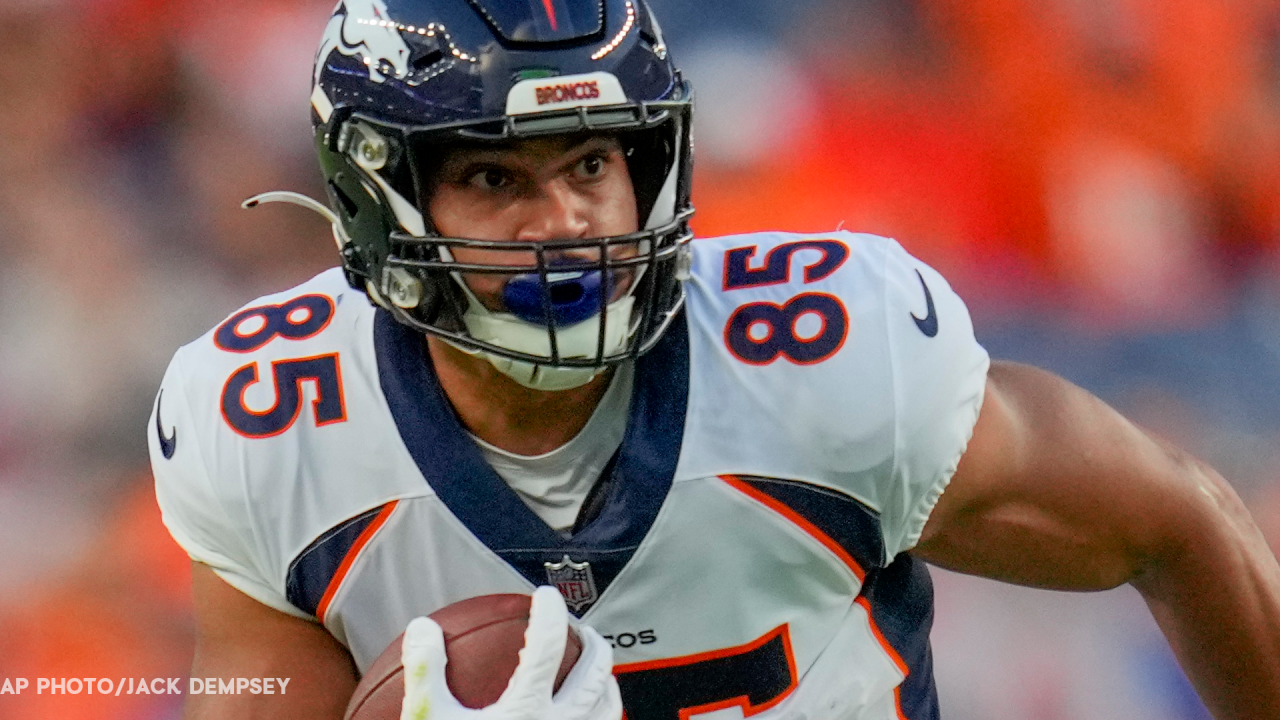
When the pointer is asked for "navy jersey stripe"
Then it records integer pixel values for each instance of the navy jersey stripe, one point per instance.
(311, 572)
(901, 605)
(852, 525)
(455, 469)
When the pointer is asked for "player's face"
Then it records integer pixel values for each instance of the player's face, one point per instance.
(535, 190)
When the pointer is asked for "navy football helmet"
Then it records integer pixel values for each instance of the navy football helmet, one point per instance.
(397, 81)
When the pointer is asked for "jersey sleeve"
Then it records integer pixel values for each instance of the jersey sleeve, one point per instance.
(938, 374)
(198, 508)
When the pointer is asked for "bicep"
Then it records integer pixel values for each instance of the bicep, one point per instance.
(1057, 490)
(238, 637)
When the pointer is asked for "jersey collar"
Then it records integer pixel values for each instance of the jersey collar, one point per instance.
(453, 466)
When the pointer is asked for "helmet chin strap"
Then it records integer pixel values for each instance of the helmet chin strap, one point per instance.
(578, 340)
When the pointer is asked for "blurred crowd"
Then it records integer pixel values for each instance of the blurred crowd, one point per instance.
(1100, 179)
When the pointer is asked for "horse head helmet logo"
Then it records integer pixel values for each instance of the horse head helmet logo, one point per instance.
(363, 28)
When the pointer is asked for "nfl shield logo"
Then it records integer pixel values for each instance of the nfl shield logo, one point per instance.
(574, 582)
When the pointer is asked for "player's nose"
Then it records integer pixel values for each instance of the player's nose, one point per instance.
(555, 212)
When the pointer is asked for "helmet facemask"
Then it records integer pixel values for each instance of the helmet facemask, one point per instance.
(569, 308)
(556, 313)
(427, 74)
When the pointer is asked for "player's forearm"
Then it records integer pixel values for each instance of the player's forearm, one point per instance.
(1215, 591)
(238, 637)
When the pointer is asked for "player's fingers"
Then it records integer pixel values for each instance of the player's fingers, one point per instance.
(544, 641)
(422, 649)
(423, 655)
(590, 690)
(607, 707)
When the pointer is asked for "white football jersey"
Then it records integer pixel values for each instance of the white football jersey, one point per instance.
(786, 441)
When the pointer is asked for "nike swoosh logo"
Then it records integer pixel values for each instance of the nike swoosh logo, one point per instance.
(167, 444)
(929, 323)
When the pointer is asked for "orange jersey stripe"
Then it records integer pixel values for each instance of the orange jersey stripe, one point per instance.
(893, 654)
(799, 521)
(897, 703)
(323, 608)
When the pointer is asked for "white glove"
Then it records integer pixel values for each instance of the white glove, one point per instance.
(589, 692)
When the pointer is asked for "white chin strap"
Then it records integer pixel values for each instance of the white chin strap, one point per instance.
(575, 341)
(579, 340)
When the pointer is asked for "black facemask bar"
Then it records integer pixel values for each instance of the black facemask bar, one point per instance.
(658, 293)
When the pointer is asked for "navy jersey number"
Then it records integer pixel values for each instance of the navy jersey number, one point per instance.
(297, 319)
(780, 336)
(754, 677)
(287, 376)
(777, 264)
(759, 333)
(251, 329)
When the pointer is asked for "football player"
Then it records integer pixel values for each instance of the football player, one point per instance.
(731, 456)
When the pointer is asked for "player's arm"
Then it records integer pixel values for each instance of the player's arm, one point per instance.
(239, 637)
(1057, 490)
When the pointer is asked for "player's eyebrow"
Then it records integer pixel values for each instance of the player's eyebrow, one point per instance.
(569, 149)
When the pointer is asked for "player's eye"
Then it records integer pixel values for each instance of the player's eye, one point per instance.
(592, 166)
(490, 179)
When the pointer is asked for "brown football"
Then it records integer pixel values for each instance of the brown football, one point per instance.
(482, 638)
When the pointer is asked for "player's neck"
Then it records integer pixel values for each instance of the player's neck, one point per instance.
(506, 414)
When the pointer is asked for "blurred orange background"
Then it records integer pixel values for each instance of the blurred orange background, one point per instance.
(1100, 179)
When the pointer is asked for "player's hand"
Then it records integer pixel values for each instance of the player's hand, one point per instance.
(589, 692)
